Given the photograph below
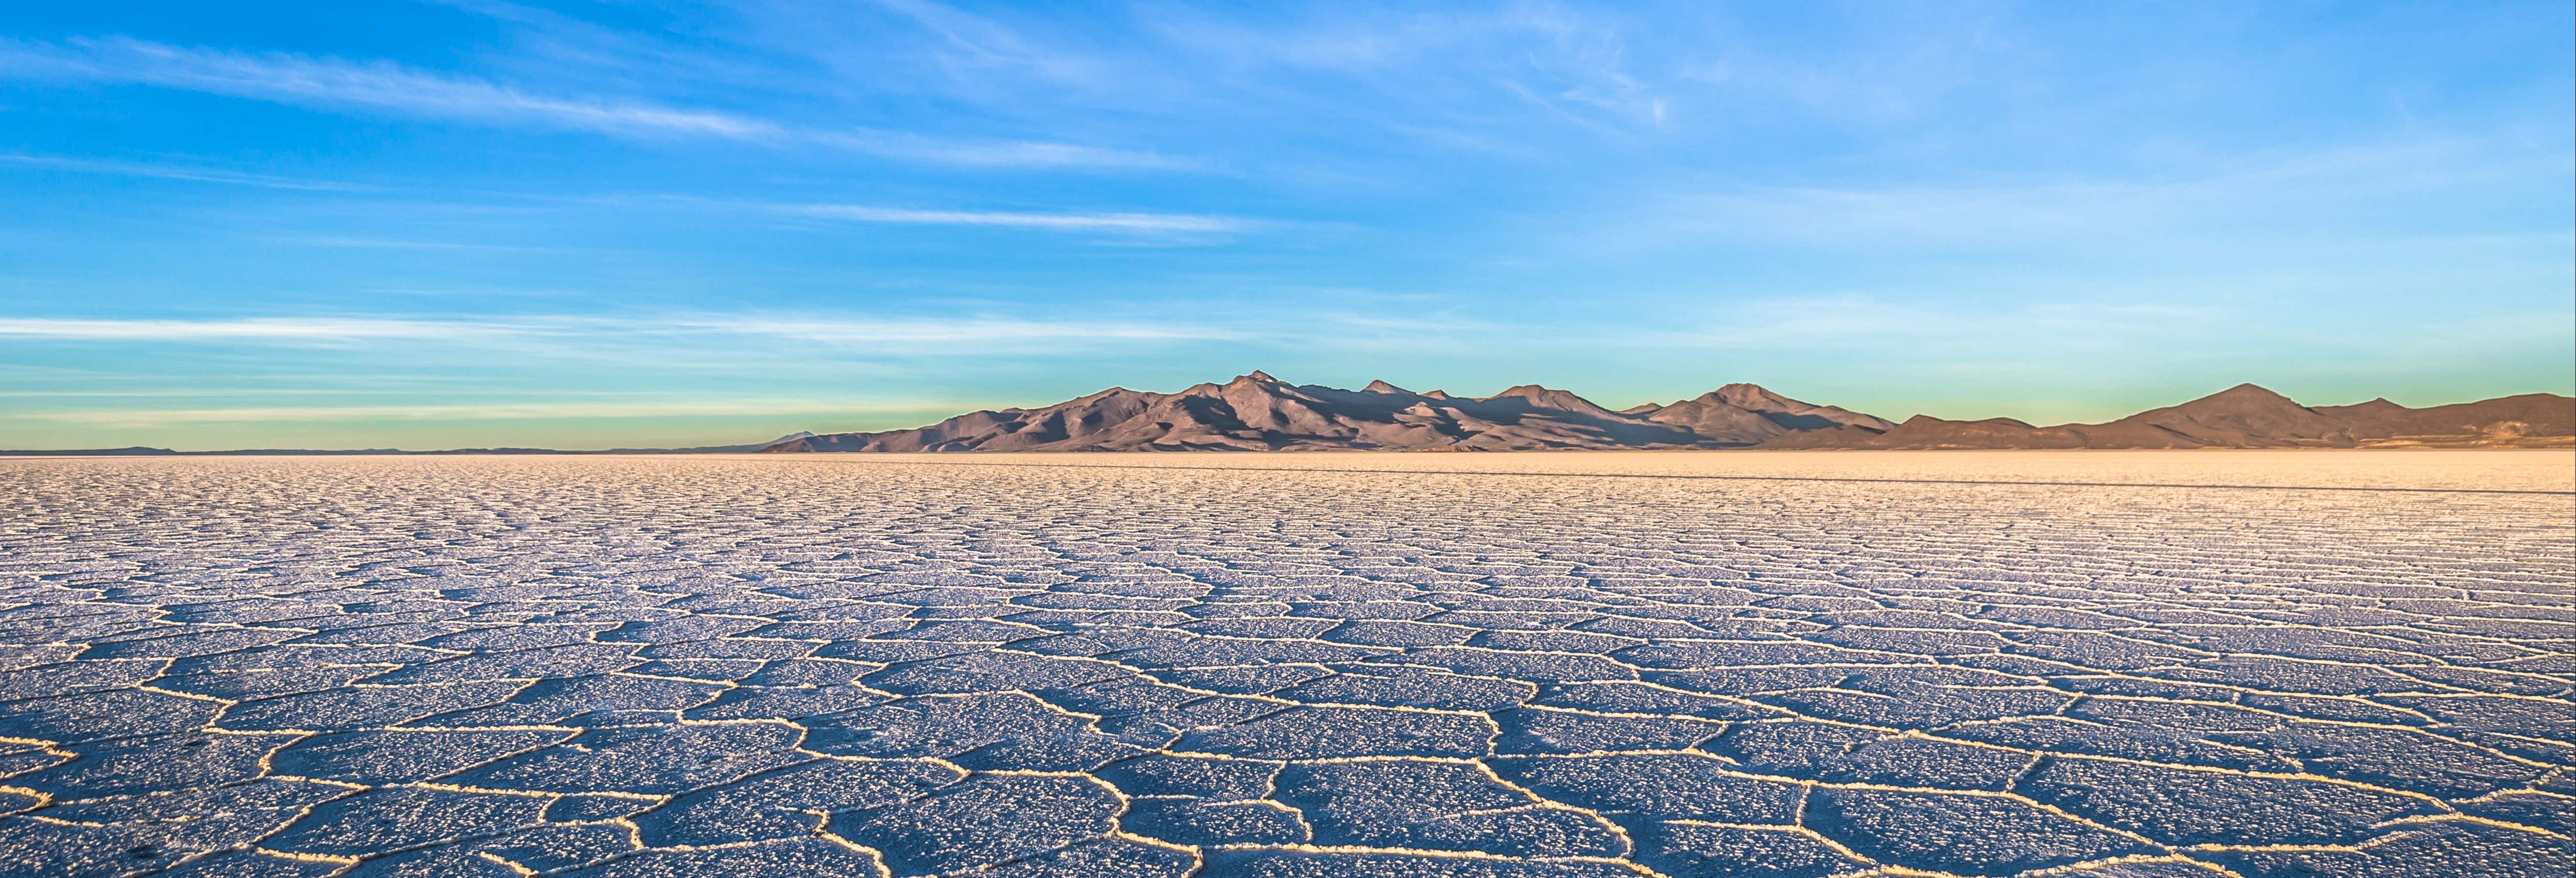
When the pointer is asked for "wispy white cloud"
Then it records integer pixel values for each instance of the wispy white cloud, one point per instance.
(385, 87)
(895, 333)
(2276, 199)
(1892, 65)
(202, 392)
(343, 241)
(1569, 63)
(491, 411)
(973, 40)
(1853, 321)
(943, 330)
(1060, 222)
(998, 153)
(1834, 320)
(252, 329)
(176, 172)
(332, 82)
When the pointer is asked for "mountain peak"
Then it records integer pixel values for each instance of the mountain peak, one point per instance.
(2240, 399)
(1257, 377)
(1751, 396)
(2376, 406)
(1383, 387)
(2248, 390)
(1541, 396)
(1105, 394)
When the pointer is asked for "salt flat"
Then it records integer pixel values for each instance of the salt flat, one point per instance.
(1680, 663)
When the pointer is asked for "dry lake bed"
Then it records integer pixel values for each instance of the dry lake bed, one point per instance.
(1678, 664)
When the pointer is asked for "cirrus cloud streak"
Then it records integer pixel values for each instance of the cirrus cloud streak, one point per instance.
(340, 330)
(394, 89)
(480, 412)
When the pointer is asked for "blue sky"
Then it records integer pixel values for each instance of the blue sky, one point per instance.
(644, 223)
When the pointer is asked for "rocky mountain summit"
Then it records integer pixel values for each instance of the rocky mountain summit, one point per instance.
(1257, 412)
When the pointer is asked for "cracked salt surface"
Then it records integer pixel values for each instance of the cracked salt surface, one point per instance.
(1291, 665)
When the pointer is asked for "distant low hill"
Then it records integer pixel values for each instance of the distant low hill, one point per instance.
(2244, 416)
(1256, 412)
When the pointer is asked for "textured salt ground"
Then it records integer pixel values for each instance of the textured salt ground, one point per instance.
(1242, 665)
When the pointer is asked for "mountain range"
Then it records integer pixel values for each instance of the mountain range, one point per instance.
(1257, 412)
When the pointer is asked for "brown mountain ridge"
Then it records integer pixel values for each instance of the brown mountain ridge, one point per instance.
(1257, 412)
